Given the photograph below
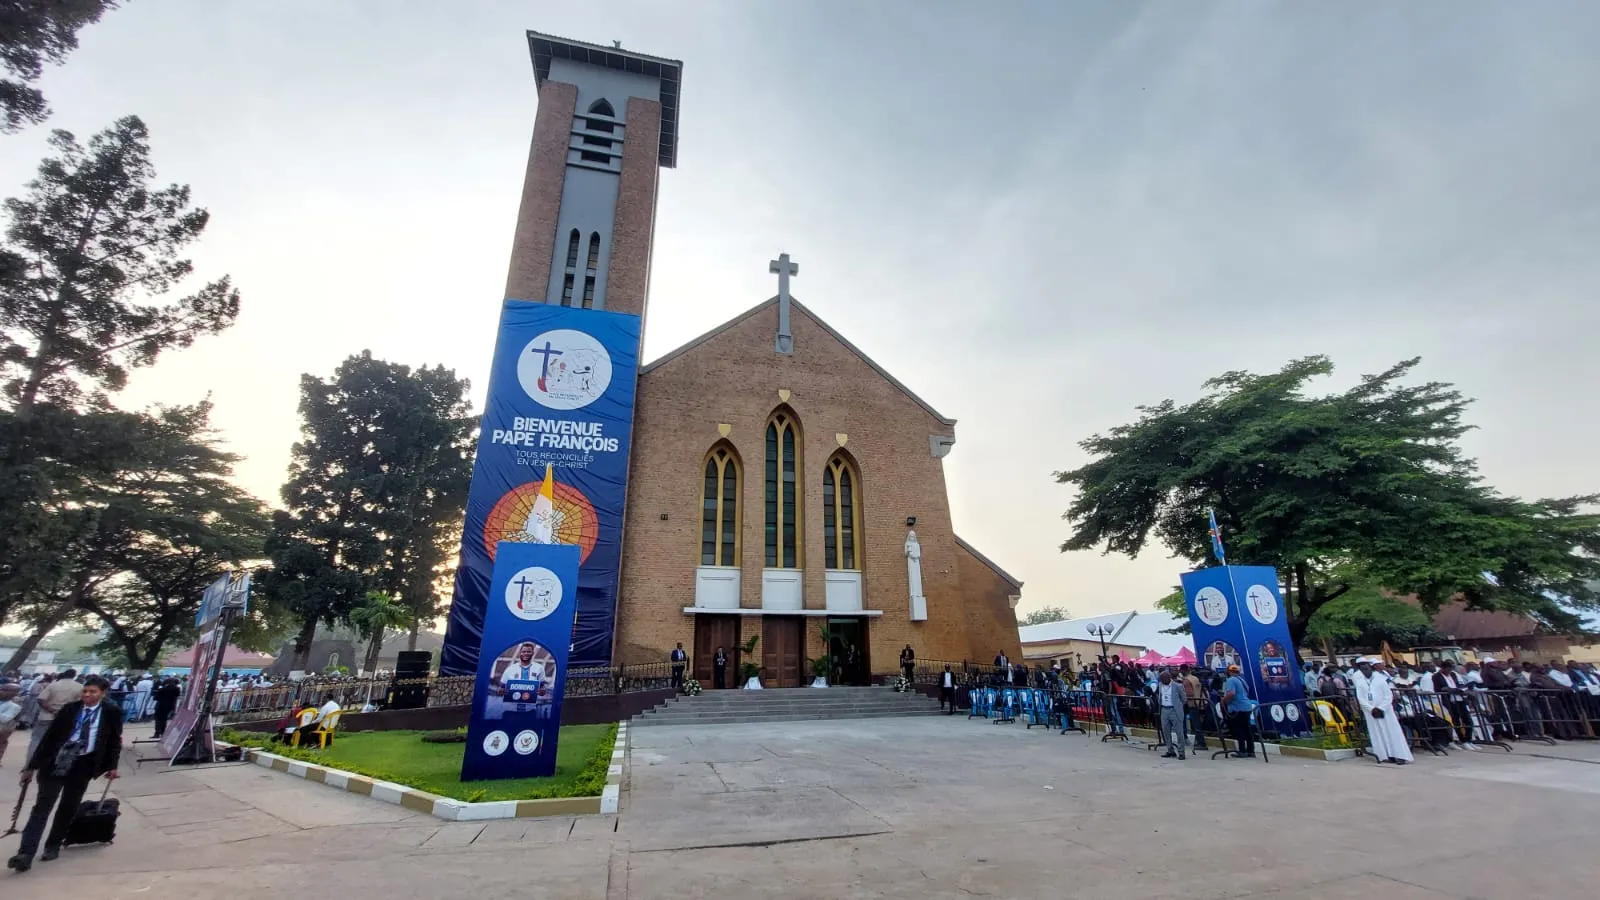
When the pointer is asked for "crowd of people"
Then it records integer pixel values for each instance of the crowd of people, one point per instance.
(1434, 704)
(40, 698)
(1439, 705)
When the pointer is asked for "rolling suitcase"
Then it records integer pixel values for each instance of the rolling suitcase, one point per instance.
(96, 821)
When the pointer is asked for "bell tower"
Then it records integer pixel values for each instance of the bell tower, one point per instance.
(607, 123)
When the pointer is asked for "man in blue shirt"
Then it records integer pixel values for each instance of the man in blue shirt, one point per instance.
(1309, 679)
(1237, 704)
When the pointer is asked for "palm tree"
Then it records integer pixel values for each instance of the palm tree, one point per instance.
(379, 614)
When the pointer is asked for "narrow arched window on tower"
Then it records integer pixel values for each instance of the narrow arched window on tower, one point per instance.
(594, 250)
(566, 290)
(572, 249)
(599, 108)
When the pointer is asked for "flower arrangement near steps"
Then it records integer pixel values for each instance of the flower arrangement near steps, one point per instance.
(691, 687)
(902, 685)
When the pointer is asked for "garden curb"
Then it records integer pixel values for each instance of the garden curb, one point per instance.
(1267, 747)
(450, 809)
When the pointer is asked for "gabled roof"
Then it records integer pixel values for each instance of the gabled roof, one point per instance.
(1009, 578)
(773, 302)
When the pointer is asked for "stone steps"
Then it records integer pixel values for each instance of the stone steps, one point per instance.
(788, 705)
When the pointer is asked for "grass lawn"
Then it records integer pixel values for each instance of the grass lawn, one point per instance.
(582, 757)
(1321, 742)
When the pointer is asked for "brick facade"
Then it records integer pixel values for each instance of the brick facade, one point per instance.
(533, 242)
(733, 377)
(633, 231)
(991, 623)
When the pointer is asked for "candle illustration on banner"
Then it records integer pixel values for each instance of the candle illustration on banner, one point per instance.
(541, 527)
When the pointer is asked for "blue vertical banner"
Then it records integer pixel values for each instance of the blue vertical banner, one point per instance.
(1237, 616)
(561, 392)
(522, 665)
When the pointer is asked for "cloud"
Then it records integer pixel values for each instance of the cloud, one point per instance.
(1037, 219)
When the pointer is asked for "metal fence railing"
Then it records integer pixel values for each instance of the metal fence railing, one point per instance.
(1431, 722)
(238, 703)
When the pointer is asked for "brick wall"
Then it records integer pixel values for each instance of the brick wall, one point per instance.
(734, 378)
(533, 242)
(628, 278)
(991, 623)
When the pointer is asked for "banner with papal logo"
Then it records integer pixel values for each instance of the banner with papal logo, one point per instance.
(561, 394)
(1237, 617)
(515, 728)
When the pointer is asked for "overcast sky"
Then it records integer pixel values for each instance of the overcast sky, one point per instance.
(1036, 219)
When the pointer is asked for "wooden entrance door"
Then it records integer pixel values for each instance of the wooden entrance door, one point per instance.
(711, 632)
(783, 638)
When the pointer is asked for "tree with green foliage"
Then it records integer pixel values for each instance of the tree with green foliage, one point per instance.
(208, 528)
(1174, 604)
(1045, 614)
(1361, 619)
(379, 614)
(1365, 486)
(376, 490)
(87, 250)
(149, 533)
(32, 33)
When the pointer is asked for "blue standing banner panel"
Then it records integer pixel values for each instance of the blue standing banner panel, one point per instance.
(561, 393)
(1237, 616)
(522, 667)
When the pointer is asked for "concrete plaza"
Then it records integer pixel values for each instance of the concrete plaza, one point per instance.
(914, 808)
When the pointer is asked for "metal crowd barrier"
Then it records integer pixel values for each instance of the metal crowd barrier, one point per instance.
(1433, 722)
(279, 699)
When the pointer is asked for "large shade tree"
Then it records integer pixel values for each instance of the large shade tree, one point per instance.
(149, 533)
(375, 496)
(1364, 486)
(90, 252)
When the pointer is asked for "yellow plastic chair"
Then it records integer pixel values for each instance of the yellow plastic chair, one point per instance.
(302, 722)
(1333, 721)
(325, 729)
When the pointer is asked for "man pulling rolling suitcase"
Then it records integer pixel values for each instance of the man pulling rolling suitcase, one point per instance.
(83, 743)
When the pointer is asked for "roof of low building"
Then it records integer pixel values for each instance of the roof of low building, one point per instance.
(1131, 628)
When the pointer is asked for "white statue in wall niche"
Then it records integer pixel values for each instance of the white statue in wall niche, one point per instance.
(919, 603)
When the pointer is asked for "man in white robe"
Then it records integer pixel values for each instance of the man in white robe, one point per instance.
(1376, 697)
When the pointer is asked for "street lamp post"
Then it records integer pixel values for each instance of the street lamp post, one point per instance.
(1102, 631)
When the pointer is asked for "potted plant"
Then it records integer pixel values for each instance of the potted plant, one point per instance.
(751, 672)
(819, 672)
(822, 665)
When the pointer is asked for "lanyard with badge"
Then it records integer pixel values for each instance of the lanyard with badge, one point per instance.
(78, 741)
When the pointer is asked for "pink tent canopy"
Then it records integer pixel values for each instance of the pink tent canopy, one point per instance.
(1184, 657)
(1150, 658)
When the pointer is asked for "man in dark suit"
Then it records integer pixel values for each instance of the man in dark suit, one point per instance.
(719, 669)
(83, 742)
(679, 660)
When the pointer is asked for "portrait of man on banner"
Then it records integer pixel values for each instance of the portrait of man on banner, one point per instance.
(522, 681)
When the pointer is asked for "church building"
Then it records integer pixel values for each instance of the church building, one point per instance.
(781, 483)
